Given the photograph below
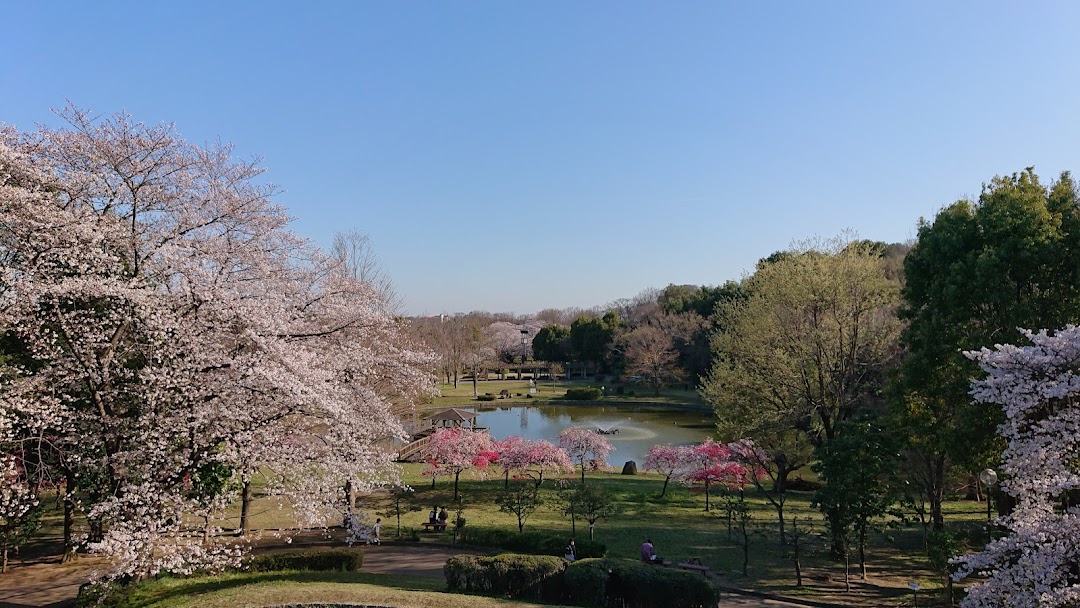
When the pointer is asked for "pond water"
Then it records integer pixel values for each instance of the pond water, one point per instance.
(640, 427)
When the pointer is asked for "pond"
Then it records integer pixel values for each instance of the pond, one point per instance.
(640, 427)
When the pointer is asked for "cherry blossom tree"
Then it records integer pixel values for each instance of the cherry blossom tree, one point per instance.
(714, 463)
(1038, 387)
(585, 446)
(457, 450)
(19, 509)
(532, 458)
(178, 339)
(670, 461)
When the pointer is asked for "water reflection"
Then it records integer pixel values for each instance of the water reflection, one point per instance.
(639, 427)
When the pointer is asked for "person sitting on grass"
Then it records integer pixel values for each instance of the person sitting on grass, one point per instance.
(648, 555)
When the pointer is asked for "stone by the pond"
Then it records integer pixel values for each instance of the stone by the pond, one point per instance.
(630, 468)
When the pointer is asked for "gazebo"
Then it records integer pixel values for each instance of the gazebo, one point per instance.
(454, 418)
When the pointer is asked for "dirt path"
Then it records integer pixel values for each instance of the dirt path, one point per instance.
(47, 583)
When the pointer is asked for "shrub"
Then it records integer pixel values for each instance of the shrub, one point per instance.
(600, 582)
(342, 560)
(583, 394)
(536, 543)
(485, 397)
(507, 575)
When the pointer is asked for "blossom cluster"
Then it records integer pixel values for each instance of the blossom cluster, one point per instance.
(1038, 386)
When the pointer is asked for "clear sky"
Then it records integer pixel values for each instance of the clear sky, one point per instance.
(515, 156)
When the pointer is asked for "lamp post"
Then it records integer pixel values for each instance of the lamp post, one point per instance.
(988, 477)
(524, 349)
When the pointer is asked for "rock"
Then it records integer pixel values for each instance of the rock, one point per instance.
(630, 468)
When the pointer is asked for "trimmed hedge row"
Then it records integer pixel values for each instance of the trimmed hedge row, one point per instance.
(536, 543)
(600, 582)
(582, 394)
(509, 575)
(587, 582)
(339, 560)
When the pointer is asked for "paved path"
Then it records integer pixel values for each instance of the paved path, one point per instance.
(54, 585)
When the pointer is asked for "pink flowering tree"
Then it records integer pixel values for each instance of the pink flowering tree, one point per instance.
(454, 451)
(533, 459)
(671, 461)
(1038, 386)
(714, 464)
(585, 446)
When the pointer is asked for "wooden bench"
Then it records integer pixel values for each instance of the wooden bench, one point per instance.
(437, 527)
(695, 565)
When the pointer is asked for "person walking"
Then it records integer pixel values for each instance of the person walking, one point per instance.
(375, 531)
(571, 551)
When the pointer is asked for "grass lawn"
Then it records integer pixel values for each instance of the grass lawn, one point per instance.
(680, 528)
(462, 395)
(277, 588)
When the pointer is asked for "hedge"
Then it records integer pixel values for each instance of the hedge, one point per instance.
(582, 394)
(341, 560)
(509, 575)
(600, 582)
(536, 543)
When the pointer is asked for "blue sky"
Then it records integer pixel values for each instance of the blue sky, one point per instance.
(515, 156)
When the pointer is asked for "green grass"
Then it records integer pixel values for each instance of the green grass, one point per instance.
(462, 395)
(276, 588)
(680, 528)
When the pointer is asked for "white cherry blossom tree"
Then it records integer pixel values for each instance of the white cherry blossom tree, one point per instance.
(176, 339)
(1038, 562)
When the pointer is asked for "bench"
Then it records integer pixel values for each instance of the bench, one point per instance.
(437, 527)
(695, 565)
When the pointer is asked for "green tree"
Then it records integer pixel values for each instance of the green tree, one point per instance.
(806, 350)
(857, 464)
(520, 498)
(980, 270)
(590, 338)
(593, 502)
(552, 343)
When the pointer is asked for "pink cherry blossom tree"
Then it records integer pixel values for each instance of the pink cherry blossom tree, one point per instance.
(670, 461)
(1038, 386)
(457, 450)
(532, 458)
(713, 463)
(585, 446)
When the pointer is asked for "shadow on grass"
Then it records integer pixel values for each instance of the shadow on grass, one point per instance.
(165, 589)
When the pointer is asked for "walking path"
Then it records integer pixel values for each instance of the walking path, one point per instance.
(54, 585)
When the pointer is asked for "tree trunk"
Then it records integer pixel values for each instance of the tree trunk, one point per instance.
(664, 489)
(837, 546)
(780, 518)
(69, 519)
(706, 495)
(4, 560)
(582, 471)
(245, 507)
(592, 525)
(456, 475)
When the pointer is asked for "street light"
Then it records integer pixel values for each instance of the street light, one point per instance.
(524, 349)
(988, 477)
